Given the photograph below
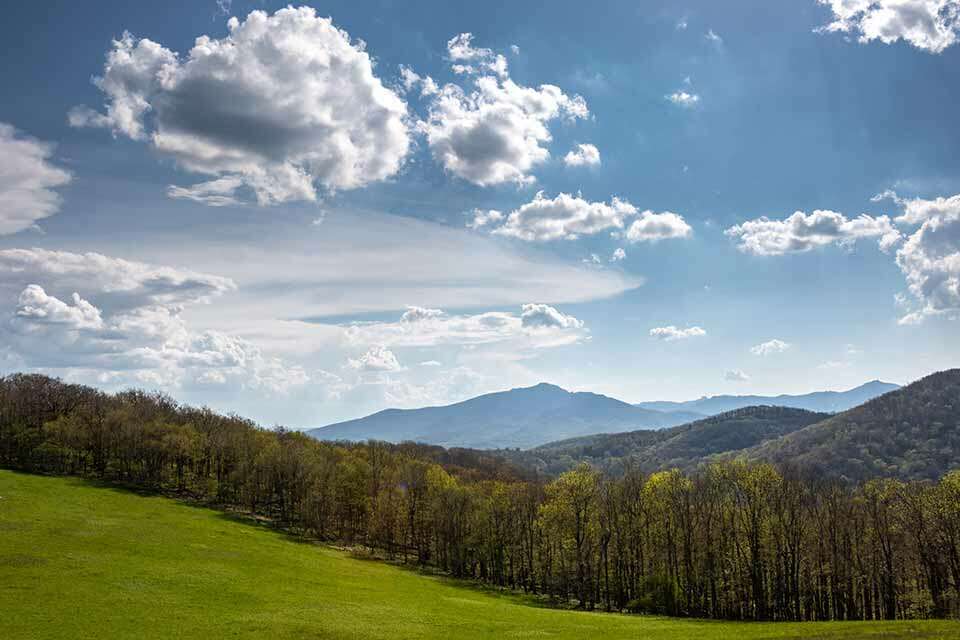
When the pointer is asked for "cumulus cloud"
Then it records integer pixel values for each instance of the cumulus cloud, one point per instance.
(802, 232)
(583, 155)
(284, 103)
(27, 181)
(671, 333)
(770, 347)
(536, 326)
(653, 227)
(713, 38)
(929, 25)
(565, 217)
(418, 314)
(131, 329)
(34, 305)
(483, 218)
(119, 283)
(735, 375)
(377, 359)
(495, 131)
(618, 255)
(930, 257)
(411, 80)
(683, 98)
(542, 316)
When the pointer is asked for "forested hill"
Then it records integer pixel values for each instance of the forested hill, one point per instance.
(825, 401)
(684, 447)
(523, 418)
(911, 433)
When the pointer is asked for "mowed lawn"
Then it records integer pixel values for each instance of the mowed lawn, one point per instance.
(84, 561)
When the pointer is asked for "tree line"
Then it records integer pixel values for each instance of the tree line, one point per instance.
(730, 540)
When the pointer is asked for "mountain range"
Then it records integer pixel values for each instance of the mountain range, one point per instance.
(911, 433)
(825, 401)
(532, 416)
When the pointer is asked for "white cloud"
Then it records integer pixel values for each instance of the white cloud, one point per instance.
(671, 333)
(215, 193)
(284, 102)
(431, 363)
(653, 227)
(618, 255)
(536, 326)
(483, 218)
(418, 314)
(34, 305)
(377, 359)
(542, 316)
(735, 375)
(411, 80)
(515, 49)
(713, 38)
(565, 217)
(495, 132)
(930, 257)
(121, 283)
(683, 98)
(802, 232)
(27, 181)
(930, 25)
(583, 155)
(128, 328)
(770, 347)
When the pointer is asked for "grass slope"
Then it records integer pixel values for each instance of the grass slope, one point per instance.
(82, 561)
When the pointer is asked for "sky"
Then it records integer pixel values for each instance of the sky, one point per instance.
(304, 214)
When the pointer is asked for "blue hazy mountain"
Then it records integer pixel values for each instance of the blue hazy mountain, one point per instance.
(524, 417)
(822, 401)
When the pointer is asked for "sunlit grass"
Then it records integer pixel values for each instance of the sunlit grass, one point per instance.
(84, 561)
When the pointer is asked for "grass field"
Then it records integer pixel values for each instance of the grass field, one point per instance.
(84, 561)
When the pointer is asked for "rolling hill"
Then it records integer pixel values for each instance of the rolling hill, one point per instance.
(912, 433)
(683, 447)
(523, 418)
(824, 401)
(90, 562)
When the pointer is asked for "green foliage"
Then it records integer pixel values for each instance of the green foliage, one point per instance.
(731, 540)
(88, 562)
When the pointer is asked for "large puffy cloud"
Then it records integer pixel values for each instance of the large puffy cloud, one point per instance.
(27, 181)
(671, 333)
(930, 25)
(802, 232)
(494, 132)
(282, 104)
(930, 258)
(34, 305)
(565, 217)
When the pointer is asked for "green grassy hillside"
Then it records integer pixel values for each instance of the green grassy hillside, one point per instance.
(81, 561)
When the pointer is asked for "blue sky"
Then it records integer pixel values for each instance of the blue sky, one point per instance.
(246, 223)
